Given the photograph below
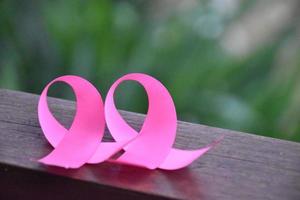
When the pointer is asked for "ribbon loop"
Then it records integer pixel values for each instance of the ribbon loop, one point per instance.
(75, 146)
(153, 143)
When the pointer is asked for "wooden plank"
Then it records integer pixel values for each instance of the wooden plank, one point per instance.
(243, 166)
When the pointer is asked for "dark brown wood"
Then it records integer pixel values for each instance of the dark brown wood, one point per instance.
(242, 166)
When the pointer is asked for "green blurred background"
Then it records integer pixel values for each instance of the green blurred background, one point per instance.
(227, 63)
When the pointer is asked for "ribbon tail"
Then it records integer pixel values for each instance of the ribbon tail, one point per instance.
(178, 158)
(63, 157)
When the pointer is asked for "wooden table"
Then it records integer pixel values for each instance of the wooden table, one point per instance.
(242, 166)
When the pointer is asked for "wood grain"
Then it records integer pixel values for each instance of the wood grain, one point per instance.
(242, 166)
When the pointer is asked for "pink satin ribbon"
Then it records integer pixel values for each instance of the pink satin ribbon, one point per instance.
(150, 148)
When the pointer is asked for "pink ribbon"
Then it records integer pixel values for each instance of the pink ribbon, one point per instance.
(150, 148)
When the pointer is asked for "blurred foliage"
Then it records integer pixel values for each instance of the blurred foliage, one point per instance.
(102, 40)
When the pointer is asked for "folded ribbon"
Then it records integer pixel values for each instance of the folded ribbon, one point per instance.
(150, 148)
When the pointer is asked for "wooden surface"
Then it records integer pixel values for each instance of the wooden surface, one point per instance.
(243, 166)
